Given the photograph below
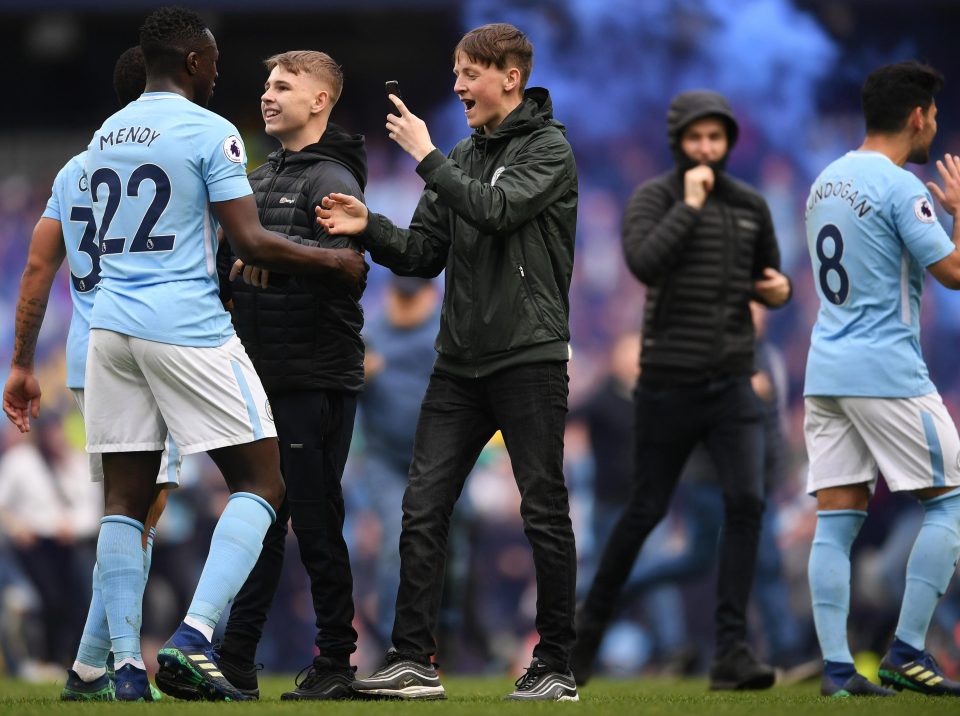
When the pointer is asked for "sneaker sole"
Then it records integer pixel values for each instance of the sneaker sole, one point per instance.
(513, 697)
(177, 674)
(420, 693)
(168, 685)
(898, 682)
(335, 692)
(290, 696)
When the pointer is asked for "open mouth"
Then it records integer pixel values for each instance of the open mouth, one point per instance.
(270, 113)
(468, 104)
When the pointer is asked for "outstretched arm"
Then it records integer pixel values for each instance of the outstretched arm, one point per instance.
(420, 250)
(255, 245)
(21, 394)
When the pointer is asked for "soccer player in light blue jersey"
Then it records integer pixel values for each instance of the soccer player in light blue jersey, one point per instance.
(870, 404)
(163, 173)
(67, 230)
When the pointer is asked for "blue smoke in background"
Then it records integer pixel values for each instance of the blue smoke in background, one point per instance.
(612, 66)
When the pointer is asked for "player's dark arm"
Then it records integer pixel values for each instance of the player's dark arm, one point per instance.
(256, 246)
(21, 394)
(340, 180)
(656, 227)
(542, 173)
(224, 264)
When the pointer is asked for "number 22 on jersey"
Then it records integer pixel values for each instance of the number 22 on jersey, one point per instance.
(143, 240)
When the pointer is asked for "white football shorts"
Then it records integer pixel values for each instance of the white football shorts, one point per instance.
(913, 442)
(139, 390)
(170, 461)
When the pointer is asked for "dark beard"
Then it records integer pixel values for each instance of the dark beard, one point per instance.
(685, 164)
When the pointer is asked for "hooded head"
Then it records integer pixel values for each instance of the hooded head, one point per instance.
(688, 107)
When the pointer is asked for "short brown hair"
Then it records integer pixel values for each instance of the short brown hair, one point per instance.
(311, 62)
(499, 44)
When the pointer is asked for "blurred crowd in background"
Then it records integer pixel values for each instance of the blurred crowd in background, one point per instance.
(792, 71)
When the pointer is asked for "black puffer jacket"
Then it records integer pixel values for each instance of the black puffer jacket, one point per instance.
(500, 215)
(698, 266)
(303, 333)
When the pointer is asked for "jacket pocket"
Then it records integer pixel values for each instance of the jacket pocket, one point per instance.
(529, 291)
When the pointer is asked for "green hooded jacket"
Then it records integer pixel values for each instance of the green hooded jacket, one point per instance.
(499, 214)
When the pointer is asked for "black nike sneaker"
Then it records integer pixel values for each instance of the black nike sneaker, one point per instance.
(542, 682)
(401, 677)
(322, 680)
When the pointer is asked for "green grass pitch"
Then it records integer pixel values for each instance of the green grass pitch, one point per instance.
(469, 696)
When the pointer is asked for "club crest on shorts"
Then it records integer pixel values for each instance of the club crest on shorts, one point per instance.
(923, 210)
(233, 149)
(269, 411)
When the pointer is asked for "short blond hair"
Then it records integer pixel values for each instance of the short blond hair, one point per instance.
(310, 62)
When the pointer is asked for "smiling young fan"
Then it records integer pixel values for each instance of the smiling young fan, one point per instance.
(499, 214)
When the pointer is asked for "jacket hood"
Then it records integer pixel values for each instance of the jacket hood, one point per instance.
(685, 109)
(533, 113)
(336, 145)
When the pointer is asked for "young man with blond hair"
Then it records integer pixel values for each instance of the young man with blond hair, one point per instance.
(499, 214)
(303, 338)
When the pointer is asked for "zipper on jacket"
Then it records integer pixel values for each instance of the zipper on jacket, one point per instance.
(526, 287)
(729, 244)
(255, 294)
(273, 182)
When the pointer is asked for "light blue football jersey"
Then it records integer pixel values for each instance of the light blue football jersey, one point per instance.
(153, 169)
(69, 204)
(871, 233)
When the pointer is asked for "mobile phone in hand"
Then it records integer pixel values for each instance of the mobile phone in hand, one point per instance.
(393, 87)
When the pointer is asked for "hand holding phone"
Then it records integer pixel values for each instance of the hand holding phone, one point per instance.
(393, 87)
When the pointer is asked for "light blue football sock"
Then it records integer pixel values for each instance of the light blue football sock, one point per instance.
(234, 549)
(930, 567)
(829, 574)
(95, 640)
(120, 566)
(148, 553)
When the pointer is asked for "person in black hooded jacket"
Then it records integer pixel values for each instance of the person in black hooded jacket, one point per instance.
(303, 337)
(499, 214)
(704, 246)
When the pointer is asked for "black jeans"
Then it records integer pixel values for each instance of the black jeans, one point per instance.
(314, 429)
(726, 416)
(528, 404)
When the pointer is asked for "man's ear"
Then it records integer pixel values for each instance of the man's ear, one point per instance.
(192, 62)
(321, 100)
(512, 80)
(917, 119)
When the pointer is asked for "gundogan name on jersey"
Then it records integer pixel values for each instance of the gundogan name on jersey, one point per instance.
(842, 190)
